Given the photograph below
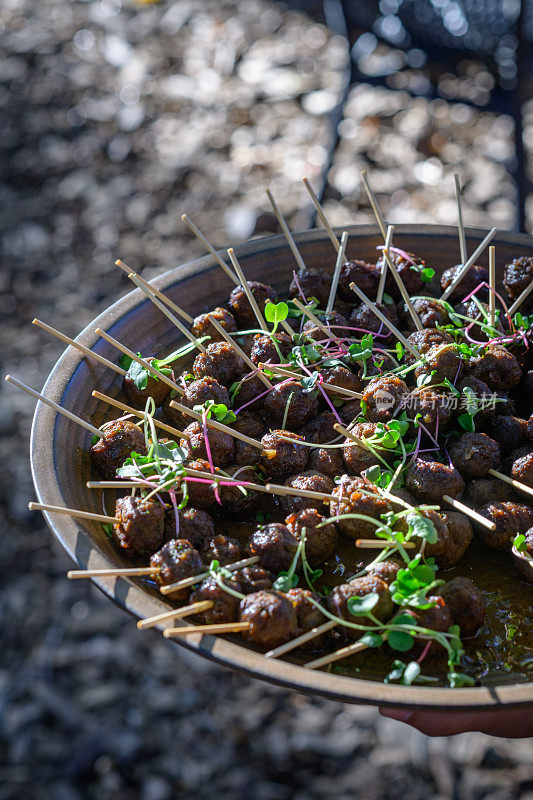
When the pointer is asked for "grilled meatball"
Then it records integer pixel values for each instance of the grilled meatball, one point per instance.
(471, 280)
(249, 389)
(141, 525)
(383, 397)
(517, 275)
(363, 318)
(155, 388)
(358, 457)
(203, 390)
(430, 480)
(484, 490)
(523, 566)
(486, 408)
(252, 425)
(195, 525)
(307, 614)
(310, 481)
(342, 377)
(425, 340)
(281, 457)
(311, 282)
(453, 543)
(431, 312)
(434, 409)
(291, 402)
(319, 541)
(349, 411)
(221, 444)
(473, 454)
(240, 307)
(320, 429)
(441, 362)
(254, 579)
(225, 606)
(386, 570)
(510, 432)
(177, 560)
(353, 499)
(498, 368)
(379, 363)
(221, 362)
(337, 602)
(200, 495)
(510, 518)
(120, 439)
(201, 326)
(272, 619)
(365, 276)
(239, 500)
(326, 460)
(466, 603)
(275, 546)
(223, 549)
(335, 323)
(523, 469)
(409, 273)
(264, 350)
(510, 458)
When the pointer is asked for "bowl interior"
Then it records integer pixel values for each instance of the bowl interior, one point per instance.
(61, 465)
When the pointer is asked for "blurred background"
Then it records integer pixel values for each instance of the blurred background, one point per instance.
(115, 118)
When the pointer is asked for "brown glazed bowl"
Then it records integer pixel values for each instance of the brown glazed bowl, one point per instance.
(61, 466)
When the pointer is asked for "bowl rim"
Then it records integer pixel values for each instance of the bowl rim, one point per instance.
(140, 604)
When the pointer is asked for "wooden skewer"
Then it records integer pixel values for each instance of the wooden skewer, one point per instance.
(233, 344)
(139, 414)
(356, 647)
(55, 406)
(338, 266)
(511, 481)
(469, 512)
(309, 314)
(305, 637)
(113, 484)
(72, 512)
(460, 225)
(185, 582)
(143, 286)
(220, 627)
(381, 544)
(473, 258)
(209, 247)
(277, 488)
(322, 215)
(247, 290)
(81, 347)
(349, 435)
(290, 374)
(212, 423)
(129, 271)
(286, 232)
(75, 574)
(492, 285)
(148, 367)
(384, 264)
(520, 299)
(362, 296)
(373, 203)
(401, 286)
(176, 613)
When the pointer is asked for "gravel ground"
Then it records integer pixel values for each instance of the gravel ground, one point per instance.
(113, 122)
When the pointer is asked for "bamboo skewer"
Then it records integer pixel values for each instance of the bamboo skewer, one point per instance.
(72, 512)
(176, 613)
(381, 544)
(374, 203)
(233, 344)
(379, 314)
(139, 414)
(247, 290)
(492, 285)
(356, 647)
(290, 374)
(520, 299)
(143, 286)
(129, 271)
(460, 225)
(59, 409)
(401, 286)
(322, 215)
(76, 574)
(286, 232)
(338, 266)
(305, 637)
(185, 582)
(209, 247)
(309, 314)
(469, 512)
(212, 423)
(81, 347)
(277, 488)
(220, 627)
(522, 487)
(384, 264)
(475, 255)
(148, 367)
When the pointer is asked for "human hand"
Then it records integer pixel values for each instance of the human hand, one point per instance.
(512, 724)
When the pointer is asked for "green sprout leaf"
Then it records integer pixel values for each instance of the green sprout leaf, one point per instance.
(363, 606)
(372, 639)
(284, 582)
(519, 543)
(427, 274)
(466, 421)
(107, 527)
(458, 679)
(138, 374)
(276, 313)
(423, 527)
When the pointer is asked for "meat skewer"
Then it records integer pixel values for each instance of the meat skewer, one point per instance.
(338, 264)
(470, 262)
(322, 215)
(139, 414)
(212, 423)
(293, 644)
(380, 544)
(81, 347)
(511, 481)
(129, 271)
(210, 249)
(344, 652)
(185, 582)
(220, 627)
(374, 204)
(247, 290)
(383, 275)
(72, 512)
(401, 286)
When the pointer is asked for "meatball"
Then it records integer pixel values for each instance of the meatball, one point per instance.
(356, 497)
(337, 602)
(517, 276)
(342, 377)
(221, 362)
(201, 326)
(510, 432)
(471, 280)
(431, 312)
(350, 411)
(486, 408)
(510, 458)
(383, 397)
(254, 579)
(307, 614)
(272, 619)
(430, 480)
(526, 567)
(281, 457)
(250, 389)
(154, 388)
(335, 323)
(311, 481)
(466, 604)
(200, 495)
(365, 276)
(510, 518)
(291, 402)
(473, 454)
(386, 570)
(498, 368)
(363, 318)
(225, 606)
(195, 525)
(410, 273)
(357, 456)
(453, 543)
(275, 546)
(223, 549)
(140, 527)
(523, 470)
(441, 362)
(240, 307)
(264, 350)
(201, 391)
(249, 424)
(484, 490)
(311, 283)
(120, 439)
(239, 500)
(320, 429)
(175, 561)
(433, 408)
(326, 460)
(423, 341)
(319, 541)
(221, 444)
